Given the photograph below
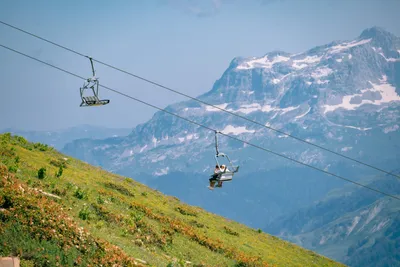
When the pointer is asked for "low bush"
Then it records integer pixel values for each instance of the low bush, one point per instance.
(42, 173)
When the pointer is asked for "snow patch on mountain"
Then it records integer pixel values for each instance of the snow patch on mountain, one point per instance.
(379, 226)
(379, 50)
(391, 129)
(161, 172)
(350, 126)
(127, 153)
(230, 129)
(303, 63)
(188, 137)
(160, 158)
(323, 240)
(142, 148)
(155, 141)
(301, 66)
(389, 59)
(246, 109)
(263, 62)
(380, 93)
(310, 156)
(247, 92)
(346, 148)
(250, 108)
(322, 81)
(357, 128)
(302, 115)
(321, 72)
(276, 81)
(372, 213)
(269, 108)
(339, 48)
(215, 108)
(356, 220)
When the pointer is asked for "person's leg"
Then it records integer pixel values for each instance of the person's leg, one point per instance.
(212, 182)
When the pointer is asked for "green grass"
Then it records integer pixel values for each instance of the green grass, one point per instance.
(141, 222)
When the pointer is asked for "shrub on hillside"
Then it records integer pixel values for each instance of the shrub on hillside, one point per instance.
(12, 169)
(100, 200)
(59, 192)
(41, 147)
(84, 213)
(186, 211)
(230, 231)
(60, 171)
(58, 163)
(80, 194)
(119, 188)
(42, 173)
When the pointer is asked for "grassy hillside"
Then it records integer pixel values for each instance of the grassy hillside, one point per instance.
(59, 211)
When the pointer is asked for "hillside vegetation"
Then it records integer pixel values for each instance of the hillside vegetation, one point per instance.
(59, 211)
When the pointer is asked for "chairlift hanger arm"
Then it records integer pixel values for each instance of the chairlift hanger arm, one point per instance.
(216, 142)
(91, 63)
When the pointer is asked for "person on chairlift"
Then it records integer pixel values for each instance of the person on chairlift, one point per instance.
(213, 179)
(224, 169)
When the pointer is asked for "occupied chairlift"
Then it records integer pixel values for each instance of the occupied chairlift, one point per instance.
(227, 174)
(93, 99)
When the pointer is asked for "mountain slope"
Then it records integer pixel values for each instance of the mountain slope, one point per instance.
(375, 251)
(347, 223)
(48, 208)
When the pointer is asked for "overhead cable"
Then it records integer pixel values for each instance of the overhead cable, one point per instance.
(204, 126)
(205, 103)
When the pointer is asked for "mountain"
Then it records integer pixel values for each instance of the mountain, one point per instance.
(58, 211)
(353, 226)
(343, 95)
(58, 139)
(328, 94)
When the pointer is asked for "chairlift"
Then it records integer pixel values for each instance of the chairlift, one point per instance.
(93, 84)
(227, 173)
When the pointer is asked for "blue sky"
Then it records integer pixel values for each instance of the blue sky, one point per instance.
(184, 44)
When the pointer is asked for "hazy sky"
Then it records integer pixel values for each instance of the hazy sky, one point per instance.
(184, 44)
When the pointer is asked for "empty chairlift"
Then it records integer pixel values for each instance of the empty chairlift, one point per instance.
(92, 85)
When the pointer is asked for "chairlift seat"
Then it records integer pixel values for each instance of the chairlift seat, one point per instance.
(93, 101)
(228, 175)
(225, 177)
